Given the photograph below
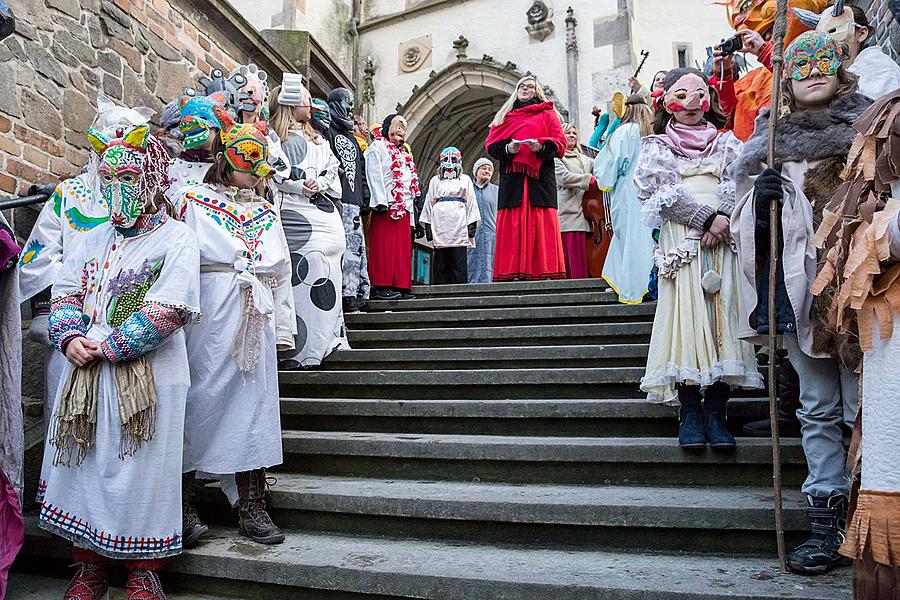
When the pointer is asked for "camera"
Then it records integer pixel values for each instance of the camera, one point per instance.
(731, 45)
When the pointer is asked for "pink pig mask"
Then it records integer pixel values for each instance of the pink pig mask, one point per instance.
(689, 93)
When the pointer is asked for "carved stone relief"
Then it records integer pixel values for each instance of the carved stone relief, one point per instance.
(415, 54)
(540, 20)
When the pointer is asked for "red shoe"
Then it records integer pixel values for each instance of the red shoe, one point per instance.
(144, 585)
(89, 583)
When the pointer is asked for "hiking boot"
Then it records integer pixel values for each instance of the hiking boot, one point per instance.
(253, 520)
(90, 582)
(716, 430)
(819, 554)
(144, 584)
(690, 419)
(191, 525)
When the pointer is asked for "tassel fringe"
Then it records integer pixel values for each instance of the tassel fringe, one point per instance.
(876, 521)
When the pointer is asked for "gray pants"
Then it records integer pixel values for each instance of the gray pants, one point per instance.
(828, 394)
(356, 265)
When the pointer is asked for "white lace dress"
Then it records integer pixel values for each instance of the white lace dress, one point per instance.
(694, 339)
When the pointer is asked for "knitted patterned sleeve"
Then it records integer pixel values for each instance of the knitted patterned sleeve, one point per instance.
(662, 194)
(67, 321)
(730, 153)
(145, 330)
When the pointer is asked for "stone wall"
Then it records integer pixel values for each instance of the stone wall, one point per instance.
(138, 52)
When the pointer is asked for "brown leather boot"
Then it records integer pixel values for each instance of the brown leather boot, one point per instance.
(253, 520)
(191, 525)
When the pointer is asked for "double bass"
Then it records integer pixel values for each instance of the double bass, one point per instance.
(595, 203)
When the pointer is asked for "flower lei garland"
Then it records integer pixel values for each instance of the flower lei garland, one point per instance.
(399, 158)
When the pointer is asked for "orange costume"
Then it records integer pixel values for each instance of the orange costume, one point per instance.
(745, 97)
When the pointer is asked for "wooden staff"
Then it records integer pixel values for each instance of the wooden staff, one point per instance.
(777, 67)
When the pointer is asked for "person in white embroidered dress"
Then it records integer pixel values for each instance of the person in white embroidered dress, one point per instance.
(450, 215)
(232, 422)
(307, 196)
(683, 185)
(75, 207)
(113, 455)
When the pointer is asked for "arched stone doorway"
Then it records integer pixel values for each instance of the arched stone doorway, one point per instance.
(454, 108)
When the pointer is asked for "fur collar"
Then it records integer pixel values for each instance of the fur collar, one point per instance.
(804, 135)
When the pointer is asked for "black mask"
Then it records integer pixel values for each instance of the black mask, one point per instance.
(341, 103)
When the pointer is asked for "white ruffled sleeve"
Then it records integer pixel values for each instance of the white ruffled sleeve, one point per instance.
(658, 182)
(726, 190)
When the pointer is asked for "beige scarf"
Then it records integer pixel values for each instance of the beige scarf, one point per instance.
(74, 426)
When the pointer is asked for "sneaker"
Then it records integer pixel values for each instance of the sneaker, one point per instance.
(385, 294)
(90, 583)
(406, 295)
(144, 585)
(819, 554)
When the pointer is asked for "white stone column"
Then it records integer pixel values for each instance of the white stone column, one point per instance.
(572, 65)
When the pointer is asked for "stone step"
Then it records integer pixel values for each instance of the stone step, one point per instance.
(616, 382)
(512, 288)
(521, 459)
(665, 519)
(489, 357)
(537, 417)
(498, 317)
(491, 301)
(307, 565)
(27, 586)
(527, 335)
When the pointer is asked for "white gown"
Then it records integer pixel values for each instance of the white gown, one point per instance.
(232, 421)
(126, 508)
(450, 207)
(315, 235)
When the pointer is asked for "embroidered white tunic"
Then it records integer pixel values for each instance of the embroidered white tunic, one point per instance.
(232, 421)
(126, 507)
(381, 178)
(450, 207)
(315, 236)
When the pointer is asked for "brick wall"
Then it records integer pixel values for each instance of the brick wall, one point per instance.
(137, 52)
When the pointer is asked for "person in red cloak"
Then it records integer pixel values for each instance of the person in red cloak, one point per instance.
(525, 136)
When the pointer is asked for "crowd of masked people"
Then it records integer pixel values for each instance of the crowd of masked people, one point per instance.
(189, 262)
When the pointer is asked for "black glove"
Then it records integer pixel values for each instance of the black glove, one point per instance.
(472, 227)
(420, 231)
(428, 234)
(768, 187)
(381, 208)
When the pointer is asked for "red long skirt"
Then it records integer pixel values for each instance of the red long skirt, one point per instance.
(575, 249)
(528, 245)
(390, 251)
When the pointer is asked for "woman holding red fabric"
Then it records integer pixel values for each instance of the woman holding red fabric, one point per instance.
(525, 137)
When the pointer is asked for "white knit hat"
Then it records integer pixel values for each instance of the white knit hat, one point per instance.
(480, 163)
(292, 89)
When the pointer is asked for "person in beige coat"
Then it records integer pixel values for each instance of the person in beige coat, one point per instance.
(573, 179)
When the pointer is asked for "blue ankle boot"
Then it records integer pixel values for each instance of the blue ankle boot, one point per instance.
(717, 433)
(690, 418)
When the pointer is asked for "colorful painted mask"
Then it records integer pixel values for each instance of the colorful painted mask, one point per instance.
(690, 92)
(451, 163)
(812, 50)
(254, 96)
(198, 118)
(321, 114)
(121, 171)
(246, 146)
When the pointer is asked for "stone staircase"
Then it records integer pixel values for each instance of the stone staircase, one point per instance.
(489, 442)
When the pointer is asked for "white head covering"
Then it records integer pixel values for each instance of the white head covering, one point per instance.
(292, 89)
(480, 163)
(110, 116)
